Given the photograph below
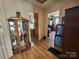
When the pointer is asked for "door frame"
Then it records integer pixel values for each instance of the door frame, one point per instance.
(36, 24)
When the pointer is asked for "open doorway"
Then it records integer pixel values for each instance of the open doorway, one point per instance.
(53, 20)
(33, 25)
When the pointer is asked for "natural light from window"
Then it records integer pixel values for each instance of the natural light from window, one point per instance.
(53, 18)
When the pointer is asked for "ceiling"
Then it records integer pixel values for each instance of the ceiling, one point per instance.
(45, 4)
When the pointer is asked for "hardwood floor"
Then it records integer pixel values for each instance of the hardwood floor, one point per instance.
(38, 50)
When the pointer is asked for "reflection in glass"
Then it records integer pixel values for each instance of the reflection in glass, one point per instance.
(13, 35)
(31, 23)
(22, 33)
(1, 27)
(59, 29)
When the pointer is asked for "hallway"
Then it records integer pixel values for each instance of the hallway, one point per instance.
(37, 51)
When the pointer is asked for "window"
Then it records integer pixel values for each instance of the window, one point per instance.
(31, 23)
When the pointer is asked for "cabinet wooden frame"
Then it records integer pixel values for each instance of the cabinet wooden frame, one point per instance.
(15, 19)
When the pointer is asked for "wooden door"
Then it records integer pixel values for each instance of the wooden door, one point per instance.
(71, 33)
(36, 25)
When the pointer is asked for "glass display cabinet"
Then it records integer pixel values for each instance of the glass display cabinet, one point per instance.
(19, 34)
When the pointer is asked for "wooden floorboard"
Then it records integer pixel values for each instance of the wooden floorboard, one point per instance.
(37, 51)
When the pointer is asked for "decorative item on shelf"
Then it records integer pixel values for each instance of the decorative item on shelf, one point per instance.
(18, 14)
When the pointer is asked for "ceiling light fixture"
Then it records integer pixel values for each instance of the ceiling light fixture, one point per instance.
(41, 1)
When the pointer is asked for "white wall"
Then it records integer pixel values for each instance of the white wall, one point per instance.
(3, 53)
(61, 6)
(8, 9)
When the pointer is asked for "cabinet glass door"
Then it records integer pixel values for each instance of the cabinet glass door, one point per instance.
(19, 34)
(13, 36)
(22, 34)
